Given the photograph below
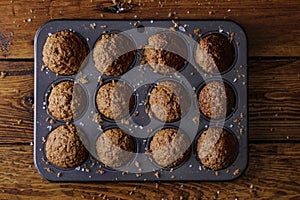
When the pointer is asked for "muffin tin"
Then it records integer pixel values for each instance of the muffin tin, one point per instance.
(138, 123)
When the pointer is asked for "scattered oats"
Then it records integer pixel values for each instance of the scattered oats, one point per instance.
(236, 121)
(43, 139)
(236, 172)
(87, 170)
(227, 171)
(93, 26)
(58, 174)
(170, 15)
(43, 67)
(175, 23)
(156, 174)
(2, 74)
(48, 169)
(103, 26)
(217, 173)
(137, 164)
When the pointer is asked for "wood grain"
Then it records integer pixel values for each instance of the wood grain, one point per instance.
(270, 175)
(274, 106)
(272, 26)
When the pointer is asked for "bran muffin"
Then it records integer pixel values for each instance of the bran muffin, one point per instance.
(169, 147)
(114, 148)
(216, 148)
(115, 100)
(165, 52)
(113, 54)
(168, 101)
(216, 100)
(66, 101)
(215, 53)
(64, 147)
(64, 52)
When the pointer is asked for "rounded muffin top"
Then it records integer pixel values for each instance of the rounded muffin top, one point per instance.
(64, 52)
(169, 147)
(216, 148)
(113, 54)
(64, 147)
(215, 53)
(216, 100)
(165, 52)
(115, 100)
(114, 148)
(168, 101)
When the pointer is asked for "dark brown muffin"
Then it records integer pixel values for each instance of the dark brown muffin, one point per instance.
(169, 147)
(115, 100)
(215, 53)
(165, 52)
(66, 101)
(113, 54)
(64, 52)
(168, 101)
(216, 100)
(114, 148)
(216, 148)
(64, 147)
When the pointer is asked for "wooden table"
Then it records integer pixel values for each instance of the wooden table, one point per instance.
(273, 29)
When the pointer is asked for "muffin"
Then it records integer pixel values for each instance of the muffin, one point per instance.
(113, 54)
(169, 147)
(115, 100)
(66, 101)
(168, 101)
(216, 100)
(215, 53)
(165, 52)
(64, 52)
(216, 148)
(64, 147)
(114, 148)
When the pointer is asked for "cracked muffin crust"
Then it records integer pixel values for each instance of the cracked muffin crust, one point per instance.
(216, 100)
(64, 52)
(64, 147)
(115, 100)
(215, 53)
(165, 52)
(169, 147)
(216, 148)
(114, 148)
(113, 54)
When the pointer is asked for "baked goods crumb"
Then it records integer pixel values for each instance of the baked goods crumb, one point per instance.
(137, 164)
(48, 169)
(156, 174)
(97, 118)
(3, 74)
(236, 172)
(58, 174)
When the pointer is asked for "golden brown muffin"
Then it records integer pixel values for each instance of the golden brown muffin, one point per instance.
(66, 101)
(64, 147)
(64, 52)
(115, 100)
(169, 147)
(114, 148)
(216, 100)
(113, 54)
(168, 101)
(216, 148)
(165, 52)
(215, 53)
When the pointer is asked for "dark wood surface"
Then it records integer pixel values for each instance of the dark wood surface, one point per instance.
(273, 29)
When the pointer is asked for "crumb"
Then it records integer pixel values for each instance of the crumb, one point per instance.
(236, 172)
(83, 80)
(217, 173)
(231, 36)
(156, 174)
(100, 171)
(58, 174)
(138, 175)
(87, 170)
(196, 120)
(52, 121)
(103, 26)
(241, 131)
(48, 169)
(2, 74)
(43, 139)
(175, 23)
(172, 177)
(227, 171)
(43, 67)
(19, 121)
(137, 164)
(236, 121)
(131, 193)
(197, 31)
(242, 115)
(170, 15)
(93, 26)
(156, 185)
(210, 12)
(172, 29)
(97, 118)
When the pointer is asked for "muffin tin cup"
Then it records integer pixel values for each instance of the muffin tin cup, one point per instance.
(138, 124)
